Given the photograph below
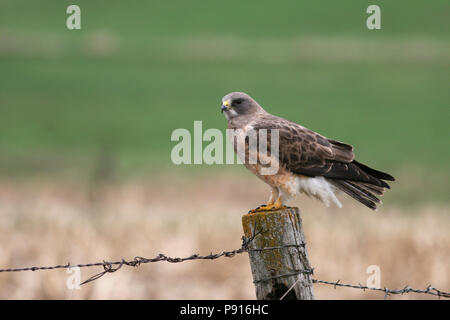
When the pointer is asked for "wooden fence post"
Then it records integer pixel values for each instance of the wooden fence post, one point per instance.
(278, 256)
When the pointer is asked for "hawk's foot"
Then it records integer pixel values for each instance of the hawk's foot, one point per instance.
(271, 206)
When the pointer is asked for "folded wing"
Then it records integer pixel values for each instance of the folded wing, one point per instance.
(305, 152)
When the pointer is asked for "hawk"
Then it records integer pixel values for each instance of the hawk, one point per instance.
(308, 162)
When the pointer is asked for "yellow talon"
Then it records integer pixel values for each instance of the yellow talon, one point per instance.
(271, 206)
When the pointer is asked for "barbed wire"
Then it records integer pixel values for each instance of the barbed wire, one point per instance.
(113, 266)
(407, 289)
(108, 266)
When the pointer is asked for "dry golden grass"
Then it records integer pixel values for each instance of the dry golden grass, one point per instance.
(48, 223)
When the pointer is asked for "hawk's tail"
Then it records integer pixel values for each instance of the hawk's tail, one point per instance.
(367, 191)
(360, 191)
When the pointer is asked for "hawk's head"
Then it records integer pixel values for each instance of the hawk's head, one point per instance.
(236, 104)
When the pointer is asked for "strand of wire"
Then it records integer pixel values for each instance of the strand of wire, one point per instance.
(113, 266)
(133, 263)
(429, 290)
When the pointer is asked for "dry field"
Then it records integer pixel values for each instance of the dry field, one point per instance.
(49, 223)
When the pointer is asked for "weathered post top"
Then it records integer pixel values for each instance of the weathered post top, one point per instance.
(278, 256)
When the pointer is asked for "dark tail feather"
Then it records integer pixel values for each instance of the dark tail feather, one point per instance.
(373, 172)
(372, 188)
(364, 192)
(357, 192)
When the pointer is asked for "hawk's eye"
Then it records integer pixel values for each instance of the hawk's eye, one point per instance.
(238, 101)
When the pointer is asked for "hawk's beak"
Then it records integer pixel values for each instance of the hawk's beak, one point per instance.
(225, 106)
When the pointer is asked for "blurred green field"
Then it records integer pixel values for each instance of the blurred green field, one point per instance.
(118, 87)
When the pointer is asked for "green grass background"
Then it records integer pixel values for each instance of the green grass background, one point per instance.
(137, 70)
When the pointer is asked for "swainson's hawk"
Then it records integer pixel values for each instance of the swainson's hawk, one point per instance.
(308, 162)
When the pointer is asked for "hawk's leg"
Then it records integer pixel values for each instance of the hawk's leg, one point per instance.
(274, 203)
(274, 193)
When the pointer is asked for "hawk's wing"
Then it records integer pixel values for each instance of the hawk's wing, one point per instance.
(308, 153)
